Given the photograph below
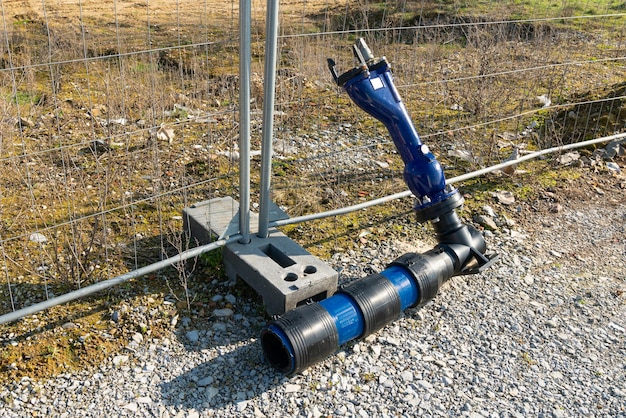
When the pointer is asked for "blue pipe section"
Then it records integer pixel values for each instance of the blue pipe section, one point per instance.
(347, 316)
(373, 91)
(404, 283)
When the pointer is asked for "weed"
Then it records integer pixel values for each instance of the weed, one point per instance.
(526, 358)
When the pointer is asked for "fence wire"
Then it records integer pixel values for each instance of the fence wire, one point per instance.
(115, 116)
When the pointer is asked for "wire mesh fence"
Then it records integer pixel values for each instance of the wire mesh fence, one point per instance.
(115, 116)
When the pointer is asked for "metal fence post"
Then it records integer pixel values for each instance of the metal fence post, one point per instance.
(271, 41)
(245, 12)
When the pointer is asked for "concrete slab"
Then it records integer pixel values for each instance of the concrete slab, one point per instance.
(219, 218)
(281, 271)
(212, 219)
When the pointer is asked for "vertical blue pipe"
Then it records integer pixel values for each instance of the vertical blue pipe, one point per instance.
(374, 91)
(269, 77)
(245, 11)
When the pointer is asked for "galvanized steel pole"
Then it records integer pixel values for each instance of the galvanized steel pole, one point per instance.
(271, 41)
(245, 11)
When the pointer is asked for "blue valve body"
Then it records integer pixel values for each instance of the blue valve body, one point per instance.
(373, 91)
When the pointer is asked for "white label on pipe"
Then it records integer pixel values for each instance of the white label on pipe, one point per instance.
(377, 83)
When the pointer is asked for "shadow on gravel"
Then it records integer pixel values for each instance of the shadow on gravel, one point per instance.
(237, 375)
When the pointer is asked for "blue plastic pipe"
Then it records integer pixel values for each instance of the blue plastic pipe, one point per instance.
(333, 321)
(373, 90)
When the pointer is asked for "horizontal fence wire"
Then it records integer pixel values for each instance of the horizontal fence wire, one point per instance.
(114, 119)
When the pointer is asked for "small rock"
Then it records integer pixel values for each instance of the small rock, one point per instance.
(219, 327)
(569, 158)
(614, 149)
(26, 122)
(242, 405)
(407, 376)
(223, 313)
(230, 299)
(165, 133)
(440, 363)
(206, 381)
(211, 392)
(505, 197)
(131, 406)
(119, 360)
(144, 400)
(115, 316)
(393, 341)
(37, 237)
(489, 211)
(376, 349)
(193, 336)
(613, 167)
(424, 384)
(618, 392)
(217, 298)
(486, 222)
(552, 323)
(382, 164)
(137, 337)
(556, 208)
(291, 388)
(518, 236)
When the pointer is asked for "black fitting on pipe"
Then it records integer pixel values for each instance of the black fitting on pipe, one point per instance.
(311, 333)
(378, 300)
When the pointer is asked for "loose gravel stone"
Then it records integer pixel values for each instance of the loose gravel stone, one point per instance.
(193, 336)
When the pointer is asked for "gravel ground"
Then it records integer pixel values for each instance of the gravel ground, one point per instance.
(541, 333)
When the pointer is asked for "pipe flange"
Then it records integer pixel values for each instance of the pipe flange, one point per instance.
(433, 211)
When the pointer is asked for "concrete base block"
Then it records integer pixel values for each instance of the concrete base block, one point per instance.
(281, 271)
(212, 219)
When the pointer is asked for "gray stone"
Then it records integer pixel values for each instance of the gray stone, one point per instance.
(223, 313)
(37, 237)
(193, 336)
(486, 222)
(206, 381)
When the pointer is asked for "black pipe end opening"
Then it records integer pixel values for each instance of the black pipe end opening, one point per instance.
(276, 353)
(299, 338)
